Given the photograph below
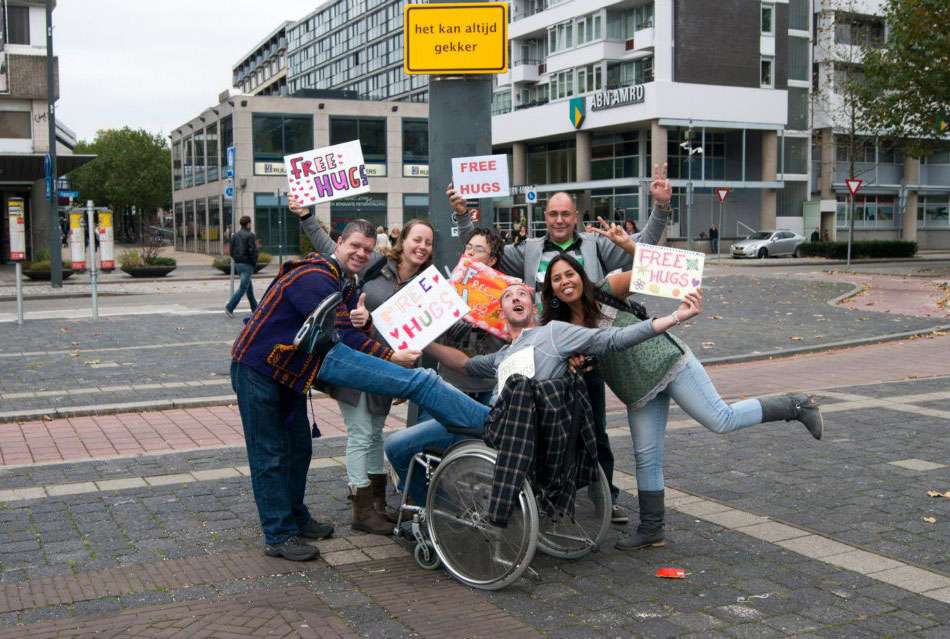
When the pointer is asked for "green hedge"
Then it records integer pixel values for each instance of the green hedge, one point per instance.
(859, 250)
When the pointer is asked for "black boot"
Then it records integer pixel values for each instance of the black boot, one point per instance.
(800, 407)
(650, 530)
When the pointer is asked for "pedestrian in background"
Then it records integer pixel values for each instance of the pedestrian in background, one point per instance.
(382, 240)
(244, 253)
(393, 236)
(814, 236)
(630, 226)
(714, 238)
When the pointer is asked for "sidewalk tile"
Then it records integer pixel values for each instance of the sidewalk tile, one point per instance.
(913, 579)
(16, 494)
(917, 464)
(734, 518)
(702, 508)
(121, 484)
(940, 595)
(165, 480)
(815, 546)
(344, 557)
(71, 489)
(772, 531)
(216, 473)
(863, 562)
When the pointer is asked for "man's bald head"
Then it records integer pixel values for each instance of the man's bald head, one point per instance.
(560, 217)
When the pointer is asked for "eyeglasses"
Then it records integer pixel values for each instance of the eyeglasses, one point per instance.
(475, 250)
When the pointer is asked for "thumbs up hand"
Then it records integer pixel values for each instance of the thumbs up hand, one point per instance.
(359, 316)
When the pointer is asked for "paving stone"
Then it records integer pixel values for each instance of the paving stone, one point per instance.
(166, 480)
(863, 562)
(121, 484)
(917, 464)
(734, 519)
(71, 489)
(702, 508)
(815, 546)
(772, 531)
(217, 473)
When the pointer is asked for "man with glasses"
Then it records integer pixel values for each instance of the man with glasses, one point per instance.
(597, 254)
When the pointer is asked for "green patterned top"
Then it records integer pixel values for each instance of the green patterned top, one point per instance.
(638, 374)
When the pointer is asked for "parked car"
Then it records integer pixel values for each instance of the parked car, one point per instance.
(764, 244)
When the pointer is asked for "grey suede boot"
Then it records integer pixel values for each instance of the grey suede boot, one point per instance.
(650, 530)
(800, 407)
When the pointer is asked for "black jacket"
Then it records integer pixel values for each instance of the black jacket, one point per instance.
(244, 247)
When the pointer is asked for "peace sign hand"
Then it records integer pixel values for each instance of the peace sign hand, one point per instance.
(661, 188)
(613, 232)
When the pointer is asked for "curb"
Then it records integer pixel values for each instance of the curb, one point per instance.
(225, 400)
(804, 261)
(817, 348)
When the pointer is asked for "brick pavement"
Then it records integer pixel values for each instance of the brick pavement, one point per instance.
(136, 433)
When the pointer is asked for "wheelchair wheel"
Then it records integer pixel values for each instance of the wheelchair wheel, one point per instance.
(474, 551)
(420, 553)
(573, 535)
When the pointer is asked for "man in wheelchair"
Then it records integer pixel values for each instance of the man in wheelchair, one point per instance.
(540, 353)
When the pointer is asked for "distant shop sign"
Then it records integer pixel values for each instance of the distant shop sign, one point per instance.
(415, 170)
(617, 97)
(270, 168)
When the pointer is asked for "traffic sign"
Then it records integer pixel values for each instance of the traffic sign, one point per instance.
(854, 185)
(531, 197)
(229, 189)
(72, 194)
(455, 38)
(723, 193)
(229, 154)
(47, 164)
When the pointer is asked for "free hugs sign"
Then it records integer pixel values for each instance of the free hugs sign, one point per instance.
(664, 271)
(330, 173)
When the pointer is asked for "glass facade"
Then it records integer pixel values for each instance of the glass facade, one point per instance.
(871, 211)
(211, 151)
(415, 148)
(552, 162)
(371, 132)
(278, 230)
(199, 157)
(189, 162)
(367, 206)
(615, 155)
(176, 165)
(277, 135)
(415, 206)
(227, 139)
(933, 211)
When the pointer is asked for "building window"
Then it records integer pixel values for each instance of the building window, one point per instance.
(15, 124)
(636, 19)
(615, 156)
(552, 162)
(18, 24)
(768, 18)
(372, 136)
(368, 206)
(277, 229)
(765, 72)
(176, 165)
(871, 211)
(415, 148)
(211, 151)
(858, 29)
(933, 212)
(275, 136)
(189, 162)
(415, 207)
(199, 157)
(227, 139)
(501, 102)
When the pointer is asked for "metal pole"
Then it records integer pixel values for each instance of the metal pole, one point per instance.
(19, 293)
(719, 230)
(55, 246)
(93, 271)
(234, 218)
(850, 227)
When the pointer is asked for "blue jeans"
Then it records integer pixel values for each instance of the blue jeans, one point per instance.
(402, 445)
(714, 244)
(245, 271)
(482, 397)
(279, 448)
(694, 392)
(344, 366)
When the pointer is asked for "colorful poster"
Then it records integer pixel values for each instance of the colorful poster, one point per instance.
(481, 286)
(106, 241)
(419, 312)
(330, 173)
(481, 176)
(16, 217)
(666, 272)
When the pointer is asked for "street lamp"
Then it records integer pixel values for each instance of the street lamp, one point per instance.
(690, 152)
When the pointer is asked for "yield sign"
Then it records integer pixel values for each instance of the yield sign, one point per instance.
(723, 193)
(853, 185)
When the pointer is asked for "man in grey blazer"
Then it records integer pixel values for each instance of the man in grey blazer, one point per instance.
(599, 256)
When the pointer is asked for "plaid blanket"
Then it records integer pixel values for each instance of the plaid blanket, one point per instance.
(542, 430)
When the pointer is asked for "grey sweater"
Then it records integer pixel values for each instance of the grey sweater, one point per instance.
(555, 342)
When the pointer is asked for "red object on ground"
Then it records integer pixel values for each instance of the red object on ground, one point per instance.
(671, 573)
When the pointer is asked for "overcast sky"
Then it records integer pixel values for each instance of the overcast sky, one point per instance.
(154, 64)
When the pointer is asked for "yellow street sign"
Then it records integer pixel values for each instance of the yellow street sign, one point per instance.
(455, 38)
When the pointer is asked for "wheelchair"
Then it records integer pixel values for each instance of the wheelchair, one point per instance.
(453, 530)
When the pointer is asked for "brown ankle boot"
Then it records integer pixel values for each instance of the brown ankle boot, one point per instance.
(378, 483)
(365, 517)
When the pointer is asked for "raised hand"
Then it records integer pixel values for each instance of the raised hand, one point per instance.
(612, 231)
(457, 201)
(691, 307)
(295, 206)
(661, 189)
(359, 316)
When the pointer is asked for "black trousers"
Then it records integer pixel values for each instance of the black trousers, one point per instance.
(598, 402)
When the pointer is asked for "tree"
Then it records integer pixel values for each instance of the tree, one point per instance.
(132, 168)
(907, 79)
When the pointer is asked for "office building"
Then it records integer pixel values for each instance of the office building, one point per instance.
(263, 71)
(263, 129)
(24, 123)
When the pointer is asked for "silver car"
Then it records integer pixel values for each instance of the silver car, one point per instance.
(764, 244)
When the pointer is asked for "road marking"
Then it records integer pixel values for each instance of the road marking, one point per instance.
(114, 349)
(807, 543)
